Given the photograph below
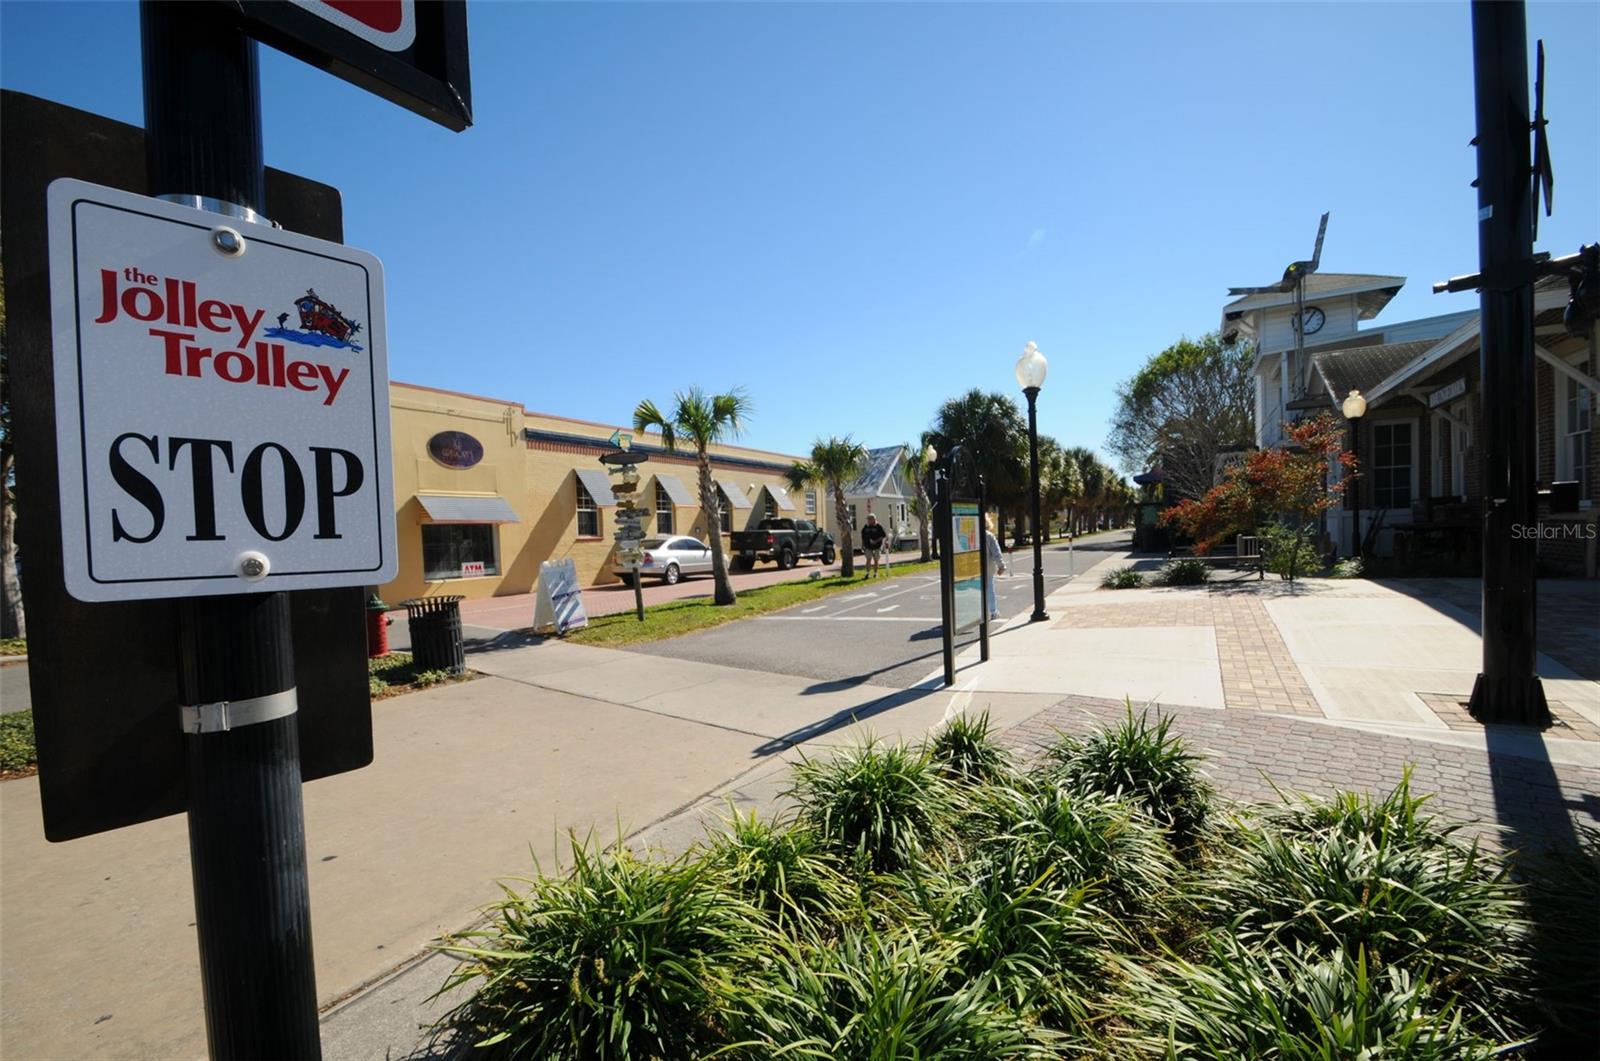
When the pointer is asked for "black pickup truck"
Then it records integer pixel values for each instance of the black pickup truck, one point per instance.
(785, 540)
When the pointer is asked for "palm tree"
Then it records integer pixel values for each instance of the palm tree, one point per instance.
(833, 463)
(921, 505)
(992, 432)
(701, 419)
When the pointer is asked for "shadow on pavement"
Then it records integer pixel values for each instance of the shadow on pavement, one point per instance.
(1535, 817)
(839, 719)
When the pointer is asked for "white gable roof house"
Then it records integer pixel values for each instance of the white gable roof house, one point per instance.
(882, 489)
(1421, 381)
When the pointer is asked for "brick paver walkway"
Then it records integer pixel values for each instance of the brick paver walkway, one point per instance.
(1258, 674)
(1509, 800)
(1452, 711)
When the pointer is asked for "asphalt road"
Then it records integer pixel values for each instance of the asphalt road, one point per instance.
(886, 633)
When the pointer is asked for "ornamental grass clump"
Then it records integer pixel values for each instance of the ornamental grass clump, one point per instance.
(1357, 875)
(880, 805)
(1183, 571)
(880, 996)
(966, 749)
(1145, 763)
(1292, 1004)
(621, 958)
(783, 870)
(1122, 578)
(1082, 838)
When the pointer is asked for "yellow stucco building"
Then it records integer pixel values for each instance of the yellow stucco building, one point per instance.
(486, 490)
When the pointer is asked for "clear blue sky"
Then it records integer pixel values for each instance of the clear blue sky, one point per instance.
(856, 211)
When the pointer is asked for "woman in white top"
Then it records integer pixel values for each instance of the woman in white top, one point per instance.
(997, 562)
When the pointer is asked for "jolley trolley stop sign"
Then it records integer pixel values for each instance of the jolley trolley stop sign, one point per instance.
(221, 403)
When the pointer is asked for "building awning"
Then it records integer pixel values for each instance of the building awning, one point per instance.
(451, 508)
(736, 496)
(675, 489)
(598, 483)
(781, 496)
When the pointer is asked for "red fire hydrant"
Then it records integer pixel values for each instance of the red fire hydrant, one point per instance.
(377, 627)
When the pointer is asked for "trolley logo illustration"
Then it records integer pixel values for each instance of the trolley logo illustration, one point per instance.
(321, 324)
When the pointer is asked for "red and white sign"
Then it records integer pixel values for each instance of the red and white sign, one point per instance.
(472, 569)
(222, 402)
(387, 24)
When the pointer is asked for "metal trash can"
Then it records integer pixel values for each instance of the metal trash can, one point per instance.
(435, 624)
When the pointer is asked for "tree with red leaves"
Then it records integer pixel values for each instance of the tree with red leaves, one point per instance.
(1288, 484)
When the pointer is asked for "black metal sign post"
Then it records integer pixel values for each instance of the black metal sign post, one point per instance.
(236, 658)
(945, 531)
(1508, 690)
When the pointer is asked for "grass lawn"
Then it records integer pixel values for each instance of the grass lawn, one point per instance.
(678, 617)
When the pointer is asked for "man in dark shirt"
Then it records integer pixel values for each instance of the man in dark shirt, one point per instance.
(872, 536)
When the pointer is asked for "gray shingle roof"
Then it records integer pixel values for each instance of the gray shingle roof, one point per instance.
(1364, 367)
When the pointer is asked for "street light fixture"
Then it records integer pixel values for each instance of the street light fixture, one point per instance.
(1031, 370)
(1354, 408)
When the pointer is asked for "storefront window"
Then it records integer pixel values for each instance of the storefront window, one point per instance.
(1391, 465)
(663, 511)
(458, 550)
(1576, 422)
(588, 514)
(772, 507)
(811, 503)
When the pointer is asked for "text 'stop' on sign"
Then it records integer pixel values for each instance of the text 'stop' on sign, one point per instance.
(410, 52)
(222, 416)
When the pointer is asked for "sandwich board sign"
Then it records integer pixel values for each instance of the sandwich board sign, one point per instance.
(559, 604)
(221, 403)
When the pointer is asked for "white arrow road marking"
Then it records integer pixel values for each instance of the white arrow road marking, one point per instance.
(890, 608)
(808, 611)
(858, 596)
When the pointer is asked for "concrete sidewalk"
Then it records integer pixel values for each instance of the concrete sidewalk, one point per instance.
(97, 948)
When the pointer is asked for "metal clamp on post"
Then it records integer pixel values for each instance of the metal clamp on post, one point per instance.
(224, 715)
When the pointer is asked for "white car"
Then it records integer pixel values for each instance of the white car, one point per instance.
(668, 559)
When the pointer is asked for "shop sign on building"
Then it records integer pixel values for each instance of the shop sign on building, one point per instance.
(221, 403)
(1447, 393)
(455, 449)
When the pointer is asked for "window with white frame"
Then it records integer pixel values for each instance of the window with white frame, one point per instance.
(1393, 448)
(458, 550)
(588, 514)
(772, 505)
(663, 510)
(724, 511)
(854, 523)
(1577, 419)
(811, 503)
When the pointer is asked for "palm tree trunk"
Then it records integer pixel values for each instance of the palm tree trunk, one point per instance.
(923, 513)
(723, 593)
(847, 545)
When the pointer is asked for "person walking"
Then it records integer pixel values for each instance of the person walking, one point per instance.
(997, 563)
(872, 536)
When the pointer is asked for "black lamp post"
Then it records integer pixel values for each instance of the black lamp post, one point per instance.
(1031, 369)
(1354, 408)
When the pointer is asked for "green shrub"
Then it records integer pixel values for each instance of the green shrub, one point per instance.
(966, 749)
(622, 958)
(376, 686)
(1373, 876)
(781, 870)
(393, 662)
(1282, 546)
(882, 805)
(427, 678)
(13, 646)
(1122, 578)
(1144, 762)
(873, 996)
(1078, 837)
(1290, 1004)
(1350, 567)
(1183, 571)
(17, 751)
(1036, 940)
